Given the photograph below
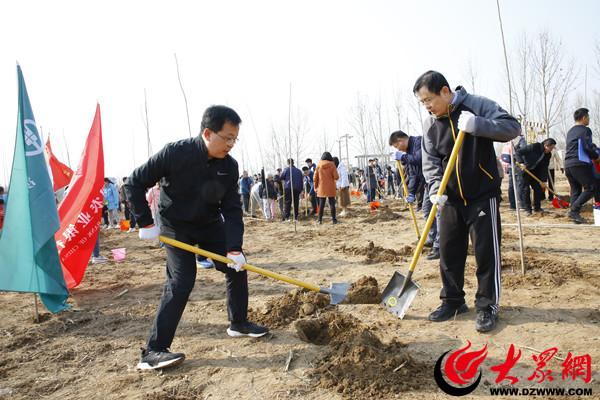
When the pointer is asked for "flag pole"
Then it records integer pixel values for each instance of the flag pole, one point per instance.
(35, 302)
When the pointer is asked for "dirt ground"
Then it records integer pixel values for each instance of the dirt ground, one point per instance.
(355, 350)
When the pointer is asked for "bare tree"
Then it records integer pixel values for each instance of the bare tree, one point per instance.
(522, 94)
(360, 122)
(555, 78)
(471, 76)
(299, 131)
(398, 107)
(377, 129)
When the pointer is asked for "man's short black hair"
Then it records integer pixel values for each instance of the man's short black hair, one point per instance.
(215, 117)
(549, 141)
(326, 156)
(432, 81)
(290, 161)
(1, 189)
(580, 113)
(336, 161)
(304, 169)
(106, 180)
(396, 136)
(308, 160)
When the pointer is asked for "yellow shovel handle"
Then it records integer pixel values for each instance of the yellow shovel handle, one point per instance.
(445, 178)
(247, 267)
(536, 178)
(405, 189)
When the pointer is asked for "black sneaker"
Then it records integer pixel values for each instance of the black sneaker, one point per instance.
(152, 359)
(576, 217)
(434, 255)
(428, 243)
(246, 329)
(486, 321)
(334, 222)
(447, 311)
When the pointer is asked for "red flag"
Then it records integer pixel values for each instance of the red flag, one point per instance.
(61, 174)
(81, 209)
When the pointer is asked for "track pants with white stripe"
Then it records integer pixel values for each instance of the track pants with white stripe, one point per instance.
(480, 221)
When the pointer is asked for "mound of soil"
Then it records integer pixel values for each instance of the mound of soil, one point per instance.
(539, 271)
(382, 214)
(283, 310)
(358, 365)
(364, 291)
(376, 254)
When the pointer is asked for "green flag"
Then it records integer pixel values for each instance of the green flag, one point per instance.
(28, 257)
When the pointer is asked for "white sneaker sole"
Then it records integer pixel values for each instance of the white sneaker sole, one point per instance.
(143, 366)
(233, 333)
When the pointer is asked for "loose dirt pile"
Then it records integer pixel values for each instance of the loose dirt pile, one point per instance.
(358, 365)
(376, 254)
(381, 215)
(282, 311)
(540, 271)
(364, 291)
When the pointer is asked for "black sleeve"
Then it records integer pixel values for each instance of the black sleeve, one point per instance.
(231, 208)
(413, 179)
(143, 177)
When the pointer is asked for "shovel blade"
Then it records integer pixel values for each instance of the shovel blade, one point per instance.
(337, 292)
(395, 302)
(559, 203)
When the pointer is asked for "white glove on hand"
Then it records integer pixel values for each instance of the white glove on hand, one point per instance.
(439, 200)
(466, 122)
(150, 232)
(399, 155)
(238, 258)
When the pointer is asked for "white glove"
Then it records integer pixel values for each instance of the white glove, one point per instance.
(466, 122)
(439, 200)
(150, 232)
(238, 258)
(399, 155)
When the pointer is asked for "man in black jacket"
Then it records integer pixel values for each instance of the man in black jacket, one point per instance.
(409, 154)
(579, 173)
(471, 197)
(199, 205)
(536, 158)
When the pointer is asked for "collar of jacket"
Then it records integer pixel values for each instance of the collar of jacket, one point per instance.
(201, 146)
(459, 96)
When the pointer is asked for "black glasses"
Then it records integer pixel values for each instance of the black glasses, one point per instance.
(229, 141)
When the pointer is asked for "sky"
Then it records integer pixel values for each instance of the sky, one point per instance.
(261, 58)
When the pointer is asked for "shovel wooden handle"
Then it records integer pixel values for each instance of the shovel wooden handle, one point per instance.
(405, 189)
(445, 178)
(537, 179)
(247, 267)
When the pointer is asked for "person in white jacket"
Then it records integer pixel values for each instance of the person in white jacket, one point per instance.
(343, 186)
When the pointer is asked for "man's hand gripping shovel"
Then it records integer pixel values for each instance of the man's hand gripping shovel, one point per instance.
(337, 291)
(401, 290)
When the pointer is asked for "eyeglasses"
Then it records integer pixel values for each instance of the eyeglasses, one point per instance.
(427, 100)
(229, 141)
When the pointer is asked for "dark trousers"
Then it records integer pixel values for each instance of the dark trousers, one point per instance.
(370, 195)
(246, 202)
(550, 184)
(511, 190)
(582, 177)
(481, 222)
(181, 276)
(538, 193)
(322, 207)
(129, 215)
(288, 203)
(313, 203)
